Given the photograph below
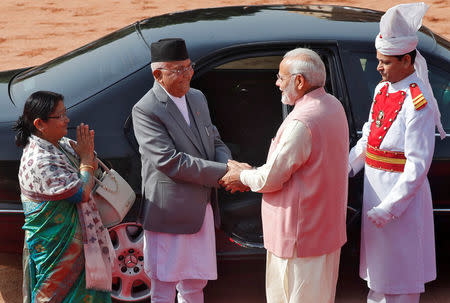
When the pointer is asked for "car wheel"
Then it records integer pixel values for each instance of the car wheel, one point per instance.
(130, 282)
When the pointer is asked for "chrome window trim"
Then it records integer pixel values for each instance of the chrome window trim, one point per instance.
(11, 211)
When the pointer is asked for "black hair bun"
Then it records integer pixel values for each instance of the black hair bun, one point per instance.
(22, 132)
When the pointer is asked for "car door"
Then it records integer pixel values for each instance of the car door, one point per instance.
(11, 214)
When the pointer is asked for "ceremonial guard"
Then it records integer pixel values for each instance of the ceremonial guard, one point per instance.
(396, 150)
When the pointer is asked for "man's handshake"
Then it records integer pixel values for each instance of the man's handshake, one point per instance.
(231, 180)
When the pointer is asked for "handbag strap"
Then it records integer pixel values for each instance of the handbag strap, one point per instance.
(103, 165)
(108, 172)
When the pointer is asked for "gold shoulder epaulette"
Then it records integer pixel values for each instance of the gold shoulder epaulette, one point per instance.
(418, 99)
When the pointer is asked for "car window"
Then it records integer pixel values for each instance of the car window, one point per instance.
(244, 104)
(361, 78)
(257, 63)
(86, 71)
(440, 83)
(365, 78)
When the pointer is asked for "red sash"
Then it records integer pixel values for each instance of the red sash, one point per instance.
(385, 159)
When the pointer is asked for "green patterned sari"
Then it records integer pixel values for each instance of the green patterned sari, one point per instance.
(56, 269)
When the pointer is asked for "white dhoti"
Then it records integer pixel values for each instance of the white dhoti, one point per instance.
(375, 297)
(310, 279)
(184, 261)
(189, 291)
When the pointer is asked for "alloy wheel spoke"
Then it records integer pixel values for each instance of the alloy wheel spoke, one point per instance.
(123, 239)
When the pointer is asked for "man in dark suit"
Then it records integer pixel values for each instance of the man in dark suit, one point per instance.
(183, 158)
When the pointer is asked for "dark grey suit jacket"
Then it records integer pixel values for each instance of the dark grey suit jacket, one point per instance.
(178, 177)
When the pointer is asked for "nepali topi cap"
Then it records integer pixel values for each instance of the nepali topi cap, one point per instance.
(170, 49)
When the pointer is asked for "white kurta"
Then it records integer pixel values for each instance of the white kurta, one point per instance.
(399, 257)
(294, 147)
(177, 257)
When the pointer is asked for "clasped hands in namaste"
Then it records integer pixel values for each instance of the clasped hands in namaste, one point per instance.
(231, 180)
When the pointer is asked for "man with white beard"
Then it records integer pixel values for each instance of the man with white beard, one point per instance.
(304, 186)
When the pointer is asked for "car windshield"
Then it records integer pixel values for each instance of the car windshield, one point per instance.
(86, 71)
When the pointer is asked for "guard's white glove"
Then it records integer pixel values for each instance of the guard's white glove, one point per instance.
(379, 217)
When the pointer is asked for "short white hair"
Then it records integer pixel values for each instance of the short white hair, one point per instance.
(308, 63)
(157, 65)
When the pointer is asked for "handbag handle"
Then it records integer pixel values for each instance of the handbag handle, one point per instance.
(107, 170)
(103, 165)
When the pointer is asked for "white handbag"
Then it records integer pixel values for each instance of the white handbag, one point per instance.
(113, 196)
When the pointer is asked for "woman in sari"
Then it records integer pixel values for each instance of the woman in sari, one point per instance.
(70, 252)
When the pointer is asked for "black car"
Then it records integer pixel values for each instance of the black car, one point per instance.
(237, 51)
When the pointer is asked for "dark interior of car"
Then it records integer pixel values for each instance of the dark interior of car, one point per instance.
(245, 106)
